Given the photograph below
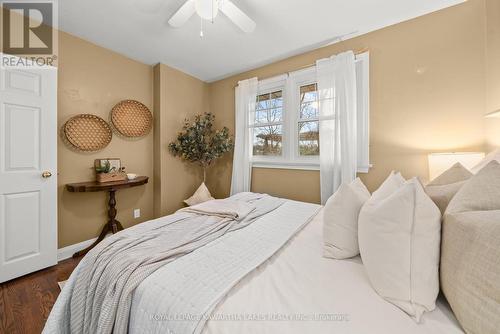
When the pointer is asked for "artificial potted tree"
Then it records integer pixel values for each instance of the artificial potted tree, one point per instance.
(201, 144)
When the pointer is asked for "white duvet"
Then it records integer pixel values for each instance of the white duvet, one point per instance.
(295, 291)
(298, 282)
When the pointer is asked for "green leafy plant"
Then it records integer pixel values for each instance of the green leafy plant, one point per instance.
(200, 143)
(106, 168)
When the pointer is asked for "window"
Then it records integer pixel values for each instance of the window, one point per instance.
(268, 124)
(308, 121)
(285, 124)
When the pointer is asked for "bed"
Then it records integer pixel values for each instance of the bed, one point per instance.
(263, 279)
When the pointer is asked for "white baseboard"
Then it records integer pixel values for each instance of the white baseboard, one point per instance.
(68, 251)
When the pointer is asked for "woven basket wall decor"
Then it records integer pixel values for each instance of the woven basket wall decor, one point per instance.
(87, 133)
(131, 118)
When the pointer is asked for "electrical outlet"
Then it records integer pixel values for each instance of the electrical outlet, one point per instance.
(137, 213)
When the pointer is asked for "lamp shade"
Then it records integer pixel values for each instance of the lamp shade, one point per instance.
(439, 162)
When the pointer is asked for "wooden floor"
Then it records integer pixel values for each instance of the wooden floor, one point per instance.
(25, 302)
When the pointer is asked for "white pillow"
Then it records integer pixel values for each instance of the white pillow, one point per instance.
(202, 194)
(442, 189)
(480, 193)
(399, 240)
(495, 155)
(393, 182)
(340, 220)
(454, 174)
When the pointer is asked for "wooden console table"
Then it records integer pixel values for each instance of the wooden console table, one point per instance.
(112, 225)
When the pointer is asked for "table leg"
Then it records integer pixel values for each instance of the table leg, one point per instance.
(112, 225)
(101, 237)
(115, 225)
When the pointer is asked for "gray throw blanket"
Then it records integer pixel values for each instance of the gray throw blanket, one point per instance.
(108, 275)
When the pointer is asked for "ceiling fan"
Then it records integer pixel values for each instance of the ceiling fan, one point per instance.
(208, 10)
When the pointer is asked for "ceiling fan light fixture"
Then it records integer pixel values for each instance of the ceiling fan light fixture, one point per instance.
(207, 9)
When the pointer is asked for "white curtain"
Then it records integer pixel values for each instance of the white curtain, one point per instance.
(246, 96)
(337, 121)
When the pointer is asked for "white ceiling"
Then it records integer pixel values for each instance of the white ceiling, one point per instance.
(139, 29)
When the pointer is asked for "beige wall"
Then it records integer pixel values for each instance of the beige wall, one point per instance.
(92, 80)
(432, 79)
(427, 94)
(177, 96)
(493, 71)
(299, 185)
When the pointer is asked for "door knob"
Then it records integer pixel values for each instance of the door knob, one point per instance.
(46, 174)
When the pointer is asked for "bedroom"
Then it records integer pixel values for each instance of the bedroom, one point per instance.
(424, 84)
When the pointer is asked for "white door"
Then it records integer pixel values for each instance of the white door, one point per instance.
(28, 170)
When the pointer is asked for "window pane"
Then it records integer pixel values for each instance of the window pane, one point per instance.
(277, 95)
(276, 99)
(261, 105)
(275, 103)
(267, 140)
(262, 101)
(309, 93)
(263, 97)
(309, 138)
(270, 100)
(269, 115)
(309, 110)
(309, 101)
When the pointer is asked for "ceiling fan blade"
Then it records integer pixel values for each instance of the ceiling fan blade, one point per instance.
(183, 14)
(237, 16)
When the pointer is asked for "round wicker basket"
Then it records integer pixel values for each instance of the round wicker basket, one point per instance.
(87, 133)
(131, 118)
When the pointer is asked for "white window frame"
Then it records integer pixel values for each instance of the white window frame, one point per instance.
(269, 86)
(290, 84)
(298, 79)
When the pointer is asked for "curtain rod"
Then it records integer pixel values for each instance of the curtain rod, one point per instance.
(357, 52)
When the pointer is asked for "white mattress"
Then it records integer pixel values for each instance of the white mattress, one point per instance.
(298, 282)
